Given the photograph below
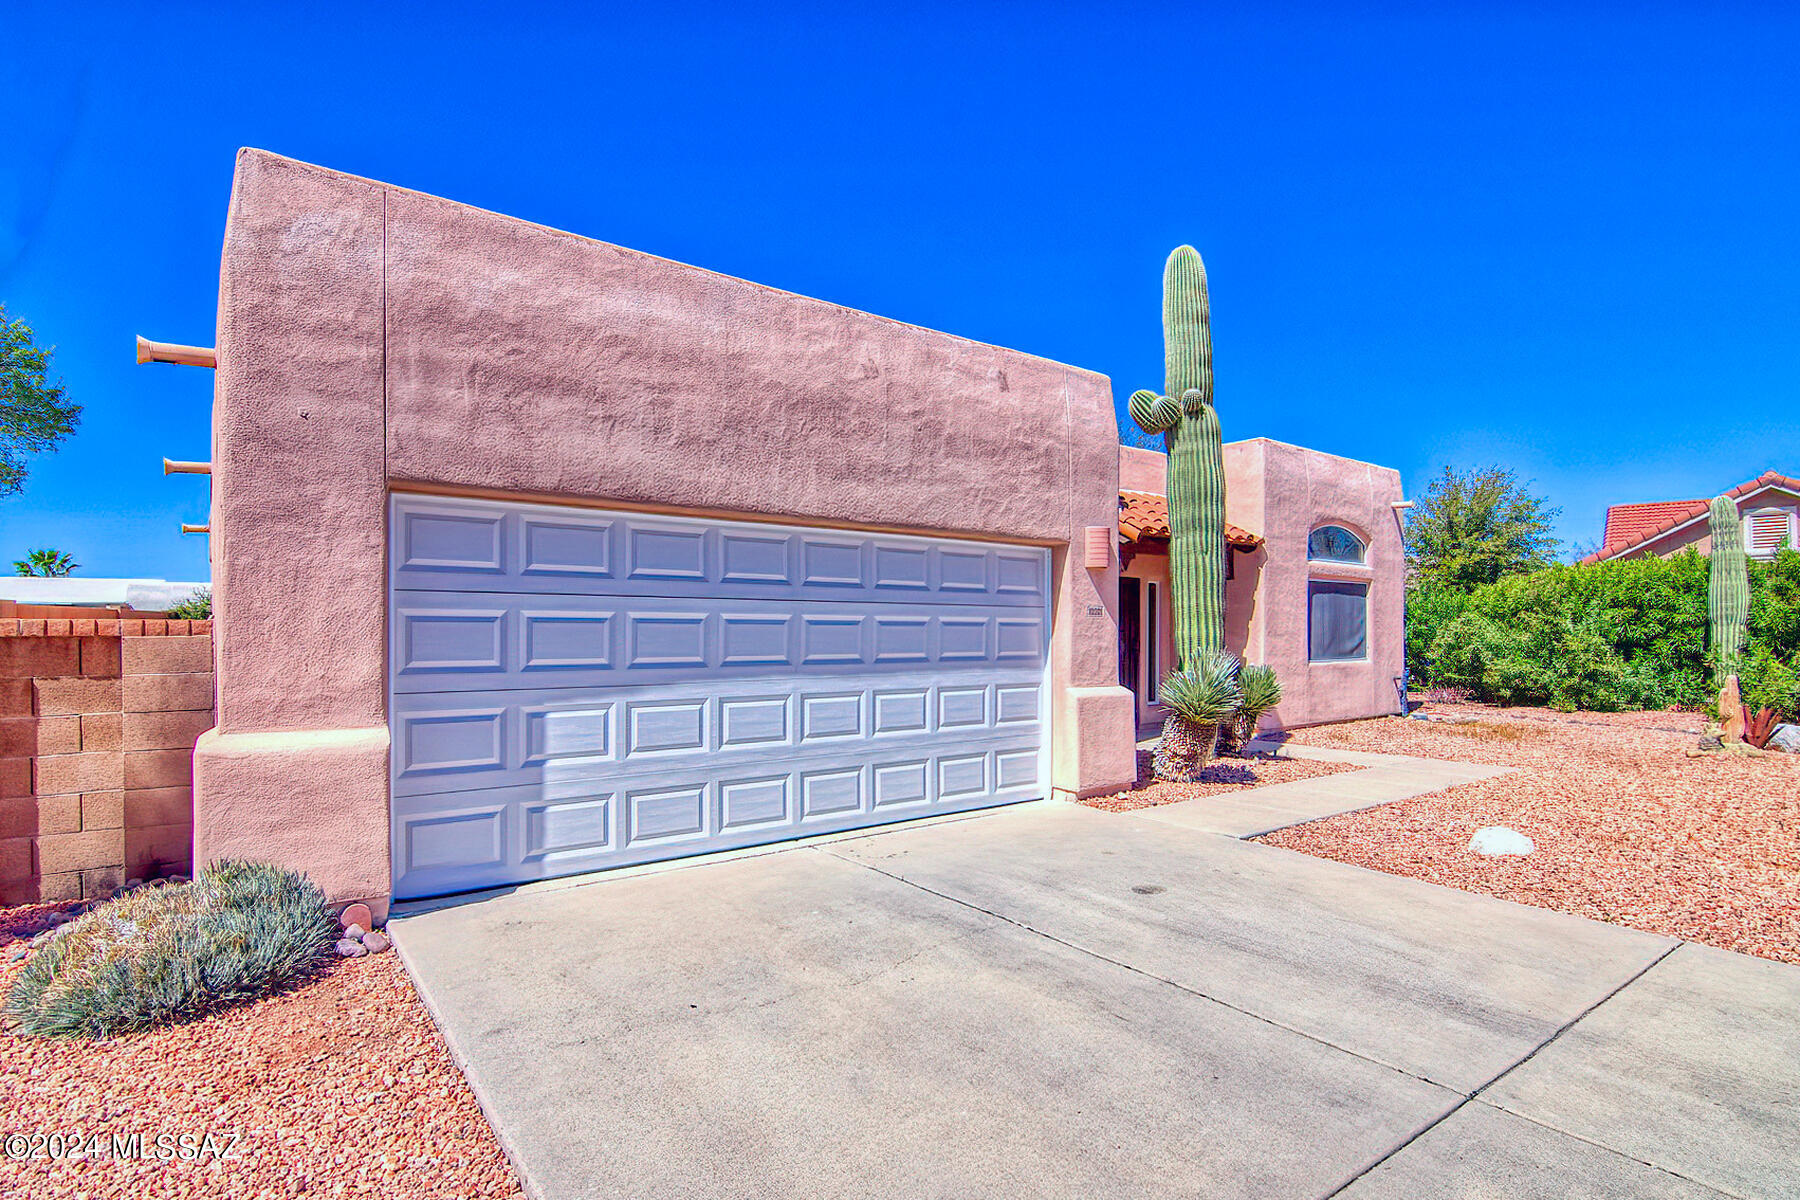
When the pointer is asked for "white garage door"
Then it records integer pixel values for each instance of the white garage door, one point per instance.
(574, 689)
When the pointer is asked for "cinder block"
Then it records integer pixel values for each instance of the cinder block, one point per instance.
(61, 697)
(165, 730)
(18, 737)
(60, 774)
(63, 852)
(58, 814)
(15, 697)
(147, 807)
(159, 768)
(101, 882)
(168, 693)
(159, 850)
(101, 731)
(100, 657)
(84, 627)
(107, 628)
(56, 628)
(18, 891)
(15, 777)
(18, 818)
(31, 627)
(39, 657)
(167, 655)
(63, 886)
(105, 810)
(57, 735)
(15, 858)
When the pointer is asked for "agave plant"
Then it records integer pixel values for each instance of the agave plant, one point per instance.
(1262, 691)
(1200, 697)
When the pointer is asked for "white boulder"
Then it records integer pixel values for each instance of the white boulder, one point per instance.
(1495, 840)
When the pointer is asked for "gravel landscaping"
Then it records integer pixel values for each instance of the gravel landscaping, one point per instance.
(1221, 775)
(340, 1087)
(1628, 828)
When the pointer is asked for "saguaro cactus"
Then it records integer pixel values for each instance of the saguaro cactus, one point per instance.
(1728, 587)
(1196, 482)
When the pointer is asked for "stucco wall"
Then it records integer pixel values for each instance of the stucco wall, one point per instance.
(1283, 493)
(373, 338)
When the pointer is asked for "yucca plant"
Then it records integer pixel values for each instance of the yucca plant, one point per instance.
(173, 952)
(1201, 696)
(1262, 691)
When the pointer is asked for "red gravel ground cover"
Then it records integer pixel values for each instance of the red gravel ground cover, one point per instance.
(1221, 775)
(1629, 829)
(342, 1087)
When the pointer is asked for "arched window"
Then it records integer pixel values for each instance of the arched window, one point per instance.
(1334, 543)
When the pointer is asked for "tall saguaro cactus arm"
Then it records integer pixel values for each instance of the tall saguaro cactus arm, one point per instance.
(1196, 478)
(1728, 587)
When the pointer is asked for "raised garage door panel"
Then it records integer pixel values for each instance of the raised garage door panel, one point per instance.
(575, 689)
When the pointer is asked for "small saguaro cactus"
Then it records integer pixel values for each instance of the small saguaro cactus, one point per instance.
(1728, 587)
(1196, 480)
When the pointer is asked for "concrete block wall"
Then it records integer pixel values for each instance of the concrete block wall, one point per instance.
(98, 720)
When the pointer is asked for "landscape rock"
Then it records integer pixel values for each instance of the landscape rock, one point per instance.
(354, 932)
(1785, 738)
(1496, 840)
(376, 941)
(347, 948)
(18, 951)
(356, 914)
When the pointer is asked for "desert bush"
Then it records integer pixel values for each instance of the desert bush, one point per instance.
(173, 952)
(1610, 635)
(197, 607)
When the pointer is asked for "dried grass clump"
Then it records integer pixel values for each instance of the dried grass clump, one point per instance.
(171, 953)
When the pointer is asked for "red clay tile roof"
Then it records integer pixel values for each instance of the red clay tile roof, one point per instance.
(1631, 525)
(1144, 515)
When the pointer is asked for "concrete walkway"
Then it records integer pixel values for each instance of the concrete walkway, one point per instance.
(1256, 811)
(1046, 1000)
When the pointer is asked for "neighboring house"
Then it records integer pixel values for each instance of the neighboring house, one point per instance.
(1769, 506)
(141, 595)
(1315, 579)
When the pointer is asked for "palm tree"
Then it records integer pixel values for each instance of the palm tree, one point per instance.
(46, 564)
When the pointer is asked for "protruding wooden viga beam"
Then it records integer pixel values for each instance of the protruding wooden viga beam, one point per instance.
(172, 467)
(168, 352)
(186, 528)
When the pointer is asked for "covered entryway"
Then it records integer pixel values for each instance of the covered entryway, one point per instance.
(574, 689)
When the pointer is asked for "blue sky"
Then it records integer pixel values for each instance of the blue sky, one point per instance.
(1562, 239)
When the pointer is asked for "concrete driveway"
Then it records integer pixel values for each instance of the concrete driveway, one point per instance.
(1046, 1000)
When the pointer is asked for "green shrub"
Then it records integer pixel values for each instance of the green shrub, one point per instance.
(170, 953)
(197, 607)
(1610, 635)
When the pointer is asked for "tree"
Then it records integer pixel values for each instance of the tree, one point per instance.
(1475, 527)
(47, 564)
(35, 414)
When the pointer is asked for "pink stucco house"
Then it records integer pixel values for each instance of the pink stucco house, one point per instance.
(1315, 583)
(535, 555)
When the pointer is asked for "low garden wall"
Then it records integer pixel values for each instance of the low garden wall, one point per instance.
(98, 720)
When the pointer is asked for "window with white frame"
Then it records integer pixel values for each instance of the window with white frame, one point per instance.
(1768, 531)
(1334, 543)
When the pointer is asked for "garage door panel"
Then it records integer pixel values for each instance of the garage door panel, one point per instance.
(507, 835)
(461, 741)
(450, 642)
(453, 545)
(575, 689)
